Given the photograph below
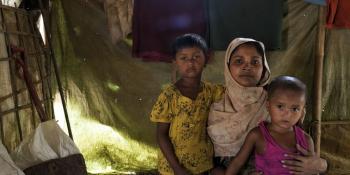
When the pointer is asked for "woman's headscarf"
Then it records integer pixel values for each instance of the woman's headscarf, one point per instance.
(240, 110)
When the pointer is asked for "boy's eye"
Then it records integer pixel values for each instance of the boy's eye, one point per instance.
(279, 106)
(196, 57)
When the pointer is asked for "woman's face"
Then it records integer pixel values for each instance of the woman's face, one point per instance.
(246, 65)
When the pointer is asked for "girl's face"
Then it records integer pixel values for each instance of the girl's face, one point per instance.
(286, 108)
(190, 62)
(246, 65)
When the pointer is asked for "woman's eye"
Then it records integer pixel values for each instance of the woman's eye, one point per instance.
(238, 61)
(255, 62)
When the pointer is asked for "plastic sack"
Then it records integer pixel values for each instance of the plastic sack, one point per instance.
(47, 142)
(7, 166)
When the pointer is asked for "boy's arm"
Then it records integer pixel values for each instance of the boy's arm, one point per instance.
(244, 152)
(167, 148)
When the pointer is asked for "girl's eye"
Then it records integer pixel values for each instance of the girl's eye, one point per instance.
(295, 109)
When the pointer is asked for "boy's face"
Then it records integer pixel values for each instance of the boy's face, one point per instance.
(286, 107)
(246, 65)
(190, 62)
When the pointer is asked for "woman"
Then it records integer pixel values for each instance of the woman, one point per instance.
(243, 107)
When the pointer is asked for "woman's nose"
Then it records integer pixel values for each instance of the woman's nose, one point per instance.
(246, 66)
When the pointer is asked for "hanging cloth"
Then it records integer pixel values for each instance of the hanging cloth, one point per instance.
(258, 19)
(338, 14)
(156, 23)
(317, 2)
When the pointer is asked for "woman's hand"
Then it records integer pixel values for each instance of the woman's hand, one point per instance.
(304, 165)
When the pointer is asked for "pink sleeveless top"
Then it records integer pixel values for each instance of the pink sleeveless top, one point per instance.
(270, 161)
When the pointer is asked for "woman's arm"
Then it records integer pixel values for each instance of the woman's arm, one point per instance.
(244, 152)
(167, 148)
(307, 164)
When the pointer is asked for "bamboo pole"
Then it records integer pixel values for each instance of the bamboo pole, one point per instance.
(28, 54)
(20, 33)
(5, 59)
(3, 98)
(1, 120)
(338, 122)
(18, 108)
(2, 126)
(318, 70)
(39, 65)
(6, 7)
(58, 79)
(12, 76)
(21, 44)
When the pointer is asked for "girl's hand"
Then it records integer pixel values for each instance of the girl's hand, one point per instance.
(304, 165)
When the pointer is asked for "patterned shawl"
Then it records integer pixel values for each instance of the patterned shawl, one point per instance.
(240, 110)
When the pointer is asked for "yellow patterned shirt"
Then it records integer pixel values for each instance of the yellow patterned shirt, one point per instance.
(188, 123)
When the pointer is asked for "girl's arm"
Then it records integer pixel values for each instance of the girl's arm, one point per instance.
(167, 148)
(244, 152)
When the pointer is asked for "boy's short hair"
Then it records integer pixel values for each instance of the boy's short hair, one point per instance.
(286, 83)
(189, 40)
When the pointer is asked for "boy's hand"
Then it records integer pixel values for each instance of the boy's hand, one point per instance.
(307, 164)
(181, 171)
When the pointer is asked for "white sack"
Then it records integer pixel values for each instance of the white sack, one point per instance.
(7, 166)
(47, 142)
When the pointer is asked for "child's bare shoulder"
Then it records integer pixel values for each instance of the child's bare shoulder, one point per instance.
(307, 137)
(255, 133)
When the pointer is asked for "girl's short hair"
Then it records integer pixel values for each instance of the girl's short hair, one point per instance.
(189, 40)
(286, 83)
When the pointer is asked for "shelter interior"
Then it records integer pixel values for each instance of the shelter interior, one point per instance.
(81, 51)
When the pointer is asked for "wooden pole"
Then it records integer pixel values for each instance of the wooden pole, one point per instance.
(318, 71)
(55, 65)
(12, 74)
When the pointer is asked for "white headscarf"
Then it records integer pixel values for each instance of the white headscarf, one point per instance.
(240, 110)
